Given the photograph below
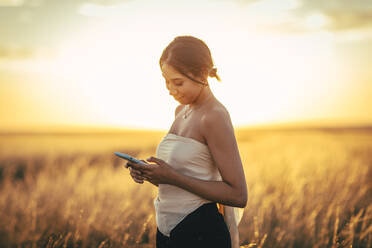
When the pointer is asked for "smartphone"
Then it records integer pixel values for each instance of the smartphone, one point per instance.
(129, 158)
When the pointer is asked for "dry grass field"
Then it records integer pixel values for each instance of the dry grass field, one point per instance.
(307, 188)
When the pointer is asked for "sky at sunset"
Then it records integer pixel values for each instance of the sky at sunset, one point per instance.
(95, 63)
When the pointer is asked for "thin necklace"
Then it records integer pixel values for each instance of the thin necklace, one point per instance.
(186, 114)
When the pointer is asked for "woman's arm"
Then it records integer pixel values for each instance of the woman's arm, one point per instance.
(217, 129)
(218, 132)
(217, 191)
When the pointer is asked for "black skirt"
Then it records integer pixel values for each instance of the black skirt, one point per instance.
(204, 227)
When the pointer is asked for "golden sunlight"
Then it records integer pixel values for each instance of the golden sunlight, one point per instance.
(80, 80)
(316, 21)
(108, 74)
(118, 81)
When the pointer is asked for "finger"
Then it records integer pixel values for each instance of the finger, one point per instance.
(155, 160)
(136, 174)
(136, 171)
(143, 161)
(137, 178)
(140, 167)
(138, 181)
(128, 164)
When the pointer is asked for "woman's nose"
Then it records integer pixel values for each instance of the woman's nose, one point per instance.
(173, 92)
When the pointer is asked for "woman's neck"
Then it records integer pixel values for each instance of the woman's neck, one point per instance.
(204, 97)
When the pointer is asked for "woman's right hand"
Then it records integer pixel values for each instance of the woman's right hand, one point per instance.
(135, 174)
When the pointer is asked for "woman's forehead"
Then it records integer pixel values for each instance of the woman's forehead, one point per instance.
(170, 73)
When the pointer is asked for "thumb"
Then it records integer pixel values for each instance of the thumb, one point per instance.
(155, 160)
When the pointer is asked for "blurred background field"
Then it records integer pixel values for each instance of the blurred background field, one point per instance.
(75, 72)
(307, 188)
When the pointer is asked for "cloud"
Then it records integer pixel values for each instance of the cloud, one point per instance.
(310, 15)
(35, 3)
(240, 2)
(14, 52)
(343, 14)
(11, 3)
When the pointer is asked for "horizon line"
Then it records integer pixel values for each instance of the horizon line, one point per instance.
(91, 129)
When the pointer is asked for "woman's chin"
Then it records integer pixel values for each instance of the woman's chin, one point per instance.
(180, 100)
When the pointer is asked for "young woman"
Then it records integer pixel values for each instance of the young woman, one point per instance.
(197, 166)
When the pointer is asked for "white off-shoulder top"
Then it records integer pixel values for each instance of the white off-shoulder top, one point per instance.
(188, 157)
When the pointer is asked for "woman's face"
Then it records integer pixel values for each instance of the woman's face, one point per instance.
(183, 89)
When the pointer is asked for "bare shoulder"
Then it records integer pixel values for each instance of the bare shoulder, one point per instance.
(215, 114)
(178, 109)
(215, 120)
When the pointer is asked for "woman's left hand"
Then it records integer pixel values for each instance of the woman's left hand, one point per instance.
(158, 173)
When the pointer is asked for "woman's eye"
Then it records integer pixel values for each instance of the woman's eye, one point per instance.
(176, 83)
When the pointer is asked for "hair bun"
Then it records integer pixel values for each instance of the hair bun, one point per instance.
(213, 72)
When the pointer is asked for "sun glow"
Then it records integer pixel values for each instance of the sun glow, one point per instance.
(109, 75)
(316, 21)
